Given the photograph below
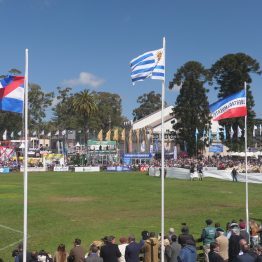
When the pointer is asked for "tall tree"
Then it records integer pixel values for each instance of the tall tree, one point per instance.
(64, 114)
(84, 105)
(149, 103)
(191, 108)
(38, 104)
(109, 113)
(229, 74)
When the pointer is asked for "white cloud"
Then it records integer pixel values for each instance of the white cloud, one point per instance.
(85, 79)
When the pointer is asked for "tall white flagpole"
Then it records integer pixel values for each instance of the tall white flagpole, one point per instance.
(25, 155)
(163, 157)
(247, 212)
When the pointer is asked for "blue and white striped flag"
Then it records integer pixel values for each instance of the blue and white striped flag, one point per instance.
(148, 65)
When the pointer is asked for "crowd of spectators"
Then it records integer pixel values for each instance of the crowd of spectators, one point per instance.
(232, 243)
(220, 162)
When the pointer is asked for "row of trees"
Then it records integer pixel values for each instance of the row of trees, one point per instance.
(93, 111)
(228, 76)
(84, 111)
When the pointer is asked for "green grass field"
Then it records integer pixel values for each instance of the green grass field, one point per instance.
(63, 206)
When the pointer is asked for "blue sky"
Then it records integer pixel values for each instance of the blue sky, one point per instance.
(89, 43)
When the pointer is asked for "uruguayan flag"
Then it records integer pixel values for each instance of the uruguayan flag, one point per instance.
(148, 65)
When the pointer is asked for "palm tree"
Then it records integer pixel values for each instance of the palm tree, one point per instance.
(84, 105)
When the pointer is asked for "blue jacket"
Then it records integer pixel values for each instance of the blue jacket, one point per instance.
(187, 254)
(133, 250)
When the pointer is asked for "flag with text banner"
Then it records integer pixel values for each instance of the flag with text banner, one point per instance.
(229, 107)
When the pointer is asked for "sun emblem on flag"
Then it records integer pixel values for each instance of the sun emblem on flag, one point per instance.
(159, 55)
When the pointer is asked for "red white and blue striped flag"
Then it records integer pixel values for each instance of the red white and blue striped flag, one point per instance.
(12, 94)
(229, 107)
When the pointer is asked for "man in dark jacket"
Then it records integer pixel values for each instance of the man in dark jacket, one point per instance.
(233, 244)
(246, 256)
(213, 256)
(185, 237)
(133, 249)
(110, 251)
(19, 255)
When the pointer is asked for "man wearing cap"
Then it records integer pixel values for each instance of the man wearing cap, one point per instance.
(208, 236)
(171, 232)
(222, 243)
(243, 231)
(233, 245)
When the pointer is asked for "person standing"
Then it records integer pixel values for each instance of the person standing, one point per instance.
(173, 250)
(122, 247)
(233, 245)
(60, 254)
(151, 248)
(234, 175)
(187, 254)
(133, 249)
(222, 243)
(77, 253)
(93, 255)
(208, 236)
(110, 251)
(213, 255)
(246, 256)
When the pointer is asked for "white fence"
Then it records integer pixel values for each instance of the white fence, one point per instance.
(182, 173)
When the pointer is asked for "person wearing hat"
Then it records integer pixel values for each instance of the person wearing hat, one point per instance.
(171, 232)
(233, 244)
(243, 232)
(222, 243)
(207, 237)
